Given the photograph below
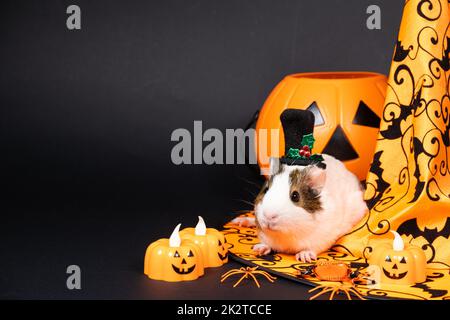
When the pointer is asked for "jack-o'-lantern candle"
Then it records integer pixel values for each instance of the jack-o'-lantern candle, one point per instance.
(211, 242)
(399, 264)
(173, 259)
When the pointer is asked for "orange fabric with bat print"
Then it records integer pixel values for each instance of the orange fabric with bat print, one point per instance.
(408, 185)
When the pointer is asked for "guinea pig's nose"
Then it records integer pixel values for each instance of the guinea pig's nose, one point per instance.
(271, 216)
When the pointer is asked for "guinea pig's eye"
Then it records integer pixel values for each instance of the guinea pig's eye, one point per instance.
(265, 189)
(295, 196)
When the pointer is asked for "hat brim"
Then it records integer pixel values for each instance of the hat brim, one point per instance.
(302, 162)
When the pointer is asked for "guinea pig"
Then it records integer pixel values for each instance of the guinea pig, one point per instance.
(303, 210)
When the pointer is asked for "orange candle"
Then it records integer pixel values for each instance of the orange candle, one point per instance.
(211, 242)
(173, 259)
(399, 263)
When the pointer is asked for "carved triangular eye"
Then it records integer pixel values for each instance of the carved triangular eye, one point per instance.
(317, 114)
(220, 243)
(366, 117)
(388, 259)
(190, 254)
(340, 147)
(176, 255)
(403, 260)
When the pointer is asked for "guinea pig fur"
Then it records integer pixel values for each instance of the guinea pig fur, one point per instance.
(303, 210)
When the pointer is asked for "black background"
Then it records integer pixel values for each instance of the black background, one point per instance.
(86, 119)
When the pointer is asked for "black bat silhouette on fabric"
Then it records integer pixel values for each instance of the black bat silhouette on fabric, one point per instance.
(410, 227)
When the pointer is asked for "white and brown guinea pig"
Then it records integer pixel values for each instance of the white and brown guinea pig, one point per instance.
(303, 210)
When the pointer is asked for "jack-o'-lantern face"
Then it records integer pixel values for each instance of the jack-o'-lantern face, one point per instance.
(211, 242)
(399, 264)
(395, 266)
(173, 259)
(184, 260)
(222, 250)
(347, 107)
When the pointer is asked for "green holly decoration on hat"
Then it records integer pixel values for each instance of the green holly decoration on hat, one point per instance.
(293, 153)
(308, 140)
(305, 152)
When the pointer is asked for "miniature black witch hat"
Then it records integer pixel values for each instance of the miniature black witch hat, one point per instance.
(298, 126)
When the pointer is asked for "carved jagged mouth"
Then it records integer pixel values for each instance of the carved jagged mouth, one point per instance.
(222, 256)
(393, 276)
(183, 270)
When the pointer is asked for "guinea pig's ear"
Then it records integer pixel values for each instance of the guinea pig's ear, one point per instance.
(317, 178)
(274, 166)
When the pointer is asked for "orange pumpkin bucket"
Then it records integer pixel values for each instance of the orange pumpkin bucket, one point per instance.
(347, 108)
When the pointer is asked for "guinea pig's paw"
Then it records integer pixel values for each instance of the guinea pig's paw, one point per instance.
(261, 249)
(244, 221)
(306, 256)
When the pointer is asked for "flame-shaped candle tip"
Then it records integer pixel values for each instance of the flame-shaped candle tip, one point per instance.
(200, 228)
(175, 240)
(397, 244)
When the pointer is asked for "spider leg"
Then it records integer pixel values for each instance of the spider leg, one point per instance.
(322, 286)
(325, 290)
(229, 272)
(335, 290)
(247, 272)
(269, 276)
(365, 281)
(254, 278)
(265, 274)
(226, 276)
(346, 291)
(239, 281)
(356, 293)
